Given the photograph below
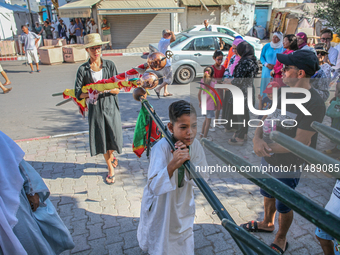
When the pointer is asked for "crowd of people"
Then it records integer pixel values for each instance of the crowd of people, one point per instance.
(287, 61)
(74, 34)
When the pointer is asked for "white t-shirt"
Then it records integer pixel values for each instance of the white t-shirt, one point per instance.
(163, 46)
(337, 66)
(97, 76)
(332, 55)
(93, 28)
(73, 29)
(333, 204)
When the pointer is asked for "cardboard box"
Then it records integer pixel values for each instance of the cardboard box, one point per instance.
(52, 42)
(51, 55)
(72, 53)
(291, 26)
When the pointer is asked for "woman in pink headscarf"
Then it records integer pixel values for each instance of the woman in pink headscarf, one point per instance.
(302, 42)
(228, 74)
(290, 44)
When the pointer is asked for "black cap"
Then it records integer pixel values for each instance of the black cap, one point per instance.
(303, 59)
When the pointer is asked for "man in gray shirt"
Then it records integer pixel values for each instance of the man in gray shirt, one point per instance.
(28, 42)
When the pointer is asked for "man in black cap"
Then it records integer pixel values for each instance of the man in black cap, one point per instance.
(297, 69)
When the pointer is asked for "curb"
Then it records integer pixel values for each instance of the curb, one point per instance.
(23, 58)
(125, 54)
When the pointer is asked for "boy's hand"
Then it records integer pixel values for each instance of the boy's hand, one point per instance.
(180, 156)
(260, 97)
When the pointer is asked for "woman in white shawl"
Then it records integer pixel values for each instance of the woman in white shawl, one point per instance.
(29, 223)
(268, 58)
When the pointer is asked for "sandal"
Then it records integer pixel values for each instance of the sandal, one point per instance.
(251, 226)
(110, 179)
(31, 72)
(157, 93)
(278, 249)
(38, 71)
(168, 95)
(115, 162)
(233, 141)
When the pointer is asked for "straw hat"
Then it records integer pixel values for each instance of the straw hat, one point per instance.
(91, 40)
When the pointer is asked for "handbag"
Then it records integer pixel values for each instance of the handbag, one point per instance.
(333, 110)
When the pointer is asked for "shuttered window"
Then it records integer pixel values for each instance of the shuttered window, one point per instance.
(137, 30)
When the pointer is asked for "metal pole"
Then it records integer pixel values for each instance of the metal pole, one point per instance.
(299, 203)
(327, 131)
(31, 15)
(215, 203)
(330, 165)
(149, 138)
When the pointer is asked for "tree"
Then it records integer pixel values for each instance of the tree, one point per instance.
(329, 10)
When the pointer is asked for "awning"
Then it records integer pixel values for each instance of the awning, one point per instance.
(77, 9)
(208, 2)
(138, 7)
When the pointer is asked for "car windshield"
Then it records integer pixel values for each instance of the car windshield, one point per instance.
(226, 31)
(188, 30)
(179, 38)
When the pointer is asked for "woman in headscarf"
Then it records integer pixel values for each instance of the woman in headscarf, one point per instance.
(244, 75)
(268, 58)
(104, 117)
(290, 44)
(29, 223)
(227, 110)
(302, 42)
(231, 53)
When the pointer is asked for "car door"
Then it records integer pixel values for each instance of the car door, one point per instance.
(203, 49)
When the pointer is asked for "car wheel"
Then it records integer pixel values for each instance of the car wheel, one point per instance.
(185, 74)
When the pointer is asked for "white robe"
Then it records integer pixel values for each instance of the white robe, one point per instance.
(168, 212)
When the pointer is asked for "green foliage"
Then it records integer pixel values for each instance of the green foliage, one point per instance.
(329, 10)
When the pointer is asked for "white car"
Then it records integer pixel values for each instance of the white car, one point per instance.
(192, 52)
(226, 30)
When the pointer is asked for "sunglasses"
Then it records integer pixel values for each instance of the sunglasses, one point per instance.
(287, 68)
(322, 53)
(326, 39)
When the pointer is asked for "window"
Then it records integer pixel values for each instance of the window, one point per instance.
(226, 31)
(189, 46)
(227, 43)
(179, 38)
(204, 44)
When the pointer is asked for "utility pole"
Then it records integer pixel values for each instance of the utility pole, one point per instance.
(29, 9)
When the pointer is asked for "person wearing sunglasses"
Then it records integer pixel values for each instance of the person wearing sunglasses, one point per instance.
(322, 78)
(326, 38)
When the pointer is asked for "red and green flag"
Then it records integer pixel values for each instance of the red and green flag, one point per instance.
(141, 134)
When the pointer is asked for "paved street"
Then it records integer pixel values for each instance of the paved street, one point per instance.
(103, 219)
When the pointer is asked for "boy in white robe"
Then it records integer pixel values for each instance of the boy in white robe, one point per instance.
(168, 206)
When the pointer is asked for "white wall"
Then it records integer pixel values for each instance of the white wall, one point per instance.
(239, 17)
